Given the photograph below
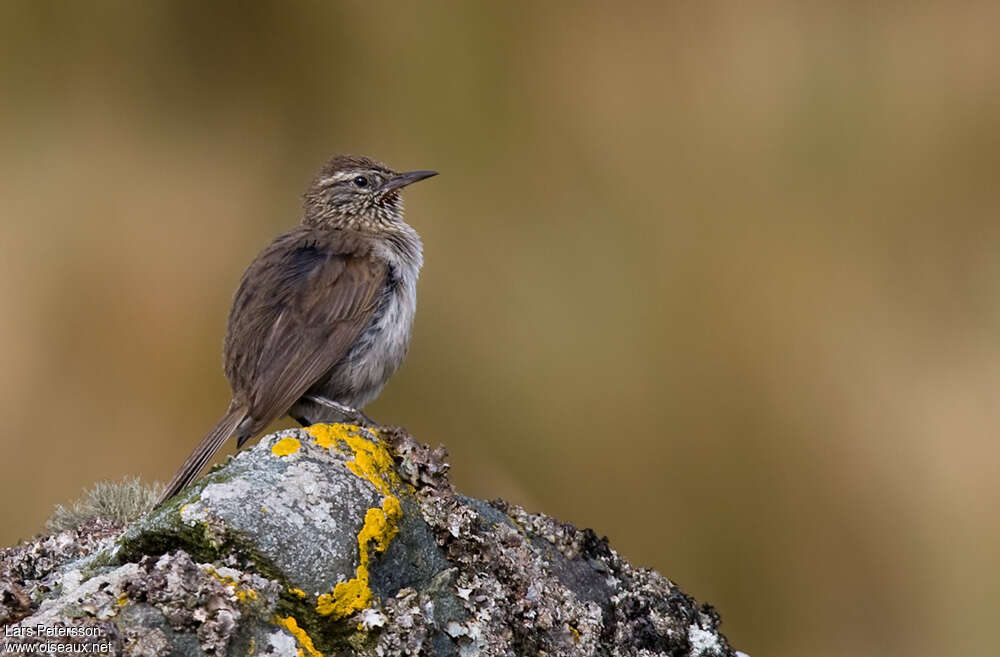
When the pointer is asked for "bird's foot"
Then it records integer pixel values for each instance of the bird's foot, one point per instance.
(341, 413)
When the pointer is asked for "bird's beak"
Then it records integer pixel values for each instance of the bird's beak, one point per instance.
(403, 179)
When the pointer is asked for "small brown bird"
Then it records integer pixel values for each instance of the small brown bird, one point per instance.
(322, 317)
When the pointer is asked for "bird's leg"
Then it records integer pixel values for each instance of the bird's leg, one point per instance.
(342, 410)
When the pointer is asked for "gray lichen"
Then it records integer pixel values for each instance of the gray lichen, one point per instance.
(338, 541)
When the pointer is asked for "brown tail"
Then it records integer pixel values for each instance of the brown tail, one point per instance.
(205, 450)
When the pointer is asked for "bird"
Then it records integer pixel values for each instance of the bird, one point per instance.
(322, 317)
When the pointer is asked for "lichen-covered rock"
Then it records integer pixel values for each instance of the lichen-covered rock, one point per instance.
(338, 540)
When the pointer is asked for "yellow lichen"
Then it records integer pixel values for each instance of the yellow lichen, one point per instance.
(307, 648)
(347, 597)
(286, 446)
(354, 595)
(242, 594)
(298, 592)
(380, 524)
(327, 435)
(373, 463)
(246, 594)
(122, 600)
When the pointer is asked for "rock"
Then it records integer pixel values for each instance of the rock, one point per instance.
(337, 540)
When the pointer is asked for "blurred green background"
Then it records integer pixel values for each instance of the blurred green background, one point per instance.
(720, 280)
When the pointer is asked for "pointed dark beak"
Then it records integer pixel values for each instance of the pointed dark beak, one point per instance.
(401, 180)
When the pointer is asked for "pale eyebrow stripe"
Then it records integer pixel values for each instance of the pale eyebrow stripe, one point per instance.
(340, 176)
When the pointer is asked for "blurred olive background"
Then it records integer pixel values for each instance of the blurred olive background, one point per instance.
(720, 280)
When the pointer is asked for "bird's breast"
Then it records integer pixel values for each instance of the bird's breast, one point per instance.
(383, 344)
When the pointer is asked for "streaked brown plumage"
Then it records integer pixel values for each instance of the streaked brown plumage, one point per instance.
(322, 316)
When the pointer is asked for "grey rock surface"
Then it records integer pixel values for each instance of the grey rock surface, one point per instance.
(336, 540)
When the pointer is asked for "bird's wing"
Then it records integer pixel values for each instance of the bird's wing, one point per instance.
(300, 307)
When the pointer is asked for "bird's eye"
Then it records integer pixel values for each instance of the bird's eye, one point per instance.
(361, 181)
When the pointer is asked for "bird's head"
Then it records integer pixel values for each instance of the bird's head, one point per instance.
(359, 193)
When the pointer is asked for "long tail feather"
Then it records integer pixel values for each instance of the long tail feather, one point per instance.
(205, 450)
